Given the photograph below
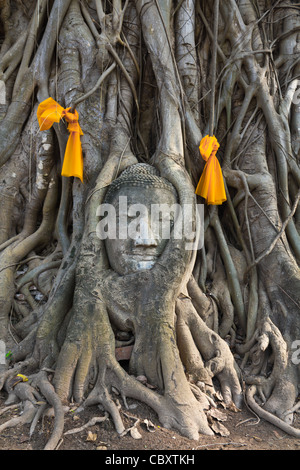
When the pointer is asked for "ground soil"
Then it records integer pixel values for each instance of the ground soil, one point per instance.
(245, 432)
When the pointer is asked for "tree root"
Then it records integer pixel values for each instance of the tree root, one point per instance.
(169, 410)
(49, 393)
(91, 422)
(250, 392)
(101, 396)
(8, 408)
(38, 415)
(216, 356)
(34, 406)
(29, 411)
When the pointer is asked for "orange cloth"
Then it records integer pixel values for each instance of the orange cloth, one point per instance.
(48, 112)
(211, 184)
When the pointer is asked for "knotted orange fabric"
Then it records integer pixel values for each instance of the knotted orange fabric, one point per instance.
(211, 184)
(48, 112)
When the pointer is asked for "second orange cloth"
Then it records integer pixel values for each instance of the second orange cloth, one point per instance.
(211, 184)
(49, 112)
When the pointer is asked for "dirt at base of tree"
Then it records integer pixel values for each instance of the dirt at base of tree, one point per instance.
(245, 432)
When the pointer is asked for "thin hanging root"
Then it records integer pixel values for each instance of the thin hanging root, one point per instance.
(103, 76)
(91, 422)
(250, 392)
(26, 417)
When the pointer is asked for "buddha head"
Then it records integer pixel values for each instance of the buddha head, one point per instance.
(144, 206)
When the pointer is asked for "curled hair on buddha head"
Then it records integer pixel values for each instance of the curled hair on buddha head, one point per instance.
(139, 174)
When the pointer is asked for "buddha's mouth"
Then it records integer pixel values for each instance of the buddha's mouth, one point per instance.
(144, 252)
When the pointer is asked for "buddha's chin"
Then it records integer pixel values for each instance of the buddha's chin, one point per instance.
(125, 263)
(137, 265)
(144, 265)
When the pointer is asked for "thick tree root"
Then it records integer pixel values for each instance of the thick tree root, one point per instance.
(250, 392)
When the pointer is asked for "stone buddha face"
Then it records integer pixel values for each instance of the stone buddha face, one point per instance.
(144, 205)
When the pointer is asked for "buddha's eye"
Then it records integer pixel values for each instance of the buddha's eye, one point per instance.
(166, 218)
(126, 216)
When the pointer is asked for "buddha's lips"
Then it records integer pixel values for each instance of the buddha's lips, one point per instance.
(144, 255)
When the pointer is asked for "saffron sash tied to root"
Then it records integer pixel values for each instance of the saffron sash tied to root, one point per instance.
(211, 184)
(49, 112)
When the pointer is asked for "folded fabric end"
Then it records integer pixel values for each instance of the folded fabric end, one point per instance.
(213, 193)
(45, 126)
(213, 202)
(76, 175)
(216, 202)
(48, 112)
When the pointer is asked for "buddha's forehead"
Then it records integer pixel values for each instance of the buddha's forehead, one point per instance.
(126, 196)
(140, 179)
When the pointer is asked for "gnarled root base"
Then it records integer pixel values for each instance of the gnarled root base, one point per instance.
(271, 418)
(35, 397)
(180, 405)
(272, 377)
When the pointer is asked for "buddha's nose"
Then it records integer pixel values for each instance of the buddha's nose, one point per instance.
(145, 237)
(145, 242)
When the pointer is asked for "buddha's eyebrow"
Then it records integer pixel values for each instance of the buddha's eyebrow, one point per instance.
(124, 213)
